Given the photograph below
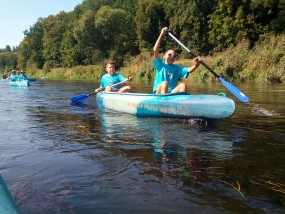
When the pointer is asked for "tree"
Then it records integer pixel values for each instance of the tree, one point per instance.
(189, 20)
(31, 48)
(149, 19)
(235, 20)
(8, 48)
(8, 60)
(114, 26)
(54, 28)
(89, 39)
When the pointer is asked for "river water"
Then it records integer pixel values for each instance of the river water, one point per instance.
(62, 158)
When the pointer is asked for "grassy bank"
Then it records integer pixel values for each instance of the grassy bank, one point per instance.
(263, 63)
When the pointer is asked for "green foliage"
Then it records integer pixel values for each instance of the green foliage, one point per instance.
(149, 19)
(31, 48)
(267, 59)
(139, 67)
(235, 20)
(189, 21)
(88, 39)
(8, 61)
(114, 28)
(54, 28)
(263, 63)
(101, 30)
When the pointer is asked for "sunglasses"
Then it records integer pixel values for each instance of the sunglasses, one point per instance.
(172, 55)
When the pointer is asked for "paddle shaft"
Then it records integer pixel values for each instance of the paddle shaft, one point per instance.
(119, 83)
(82, 97)
(234, 90)
(192, 54)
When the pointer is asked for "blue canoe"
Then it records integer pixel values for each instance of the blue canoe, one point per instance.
(173, 105)
(32, 79)
(19, 83)
(7, 204)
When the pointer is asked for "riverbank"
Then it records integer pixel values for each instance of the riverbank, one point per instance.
(263, 63)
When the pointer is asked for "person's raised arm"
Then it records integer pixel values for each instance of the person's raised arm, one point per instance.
(158, 41)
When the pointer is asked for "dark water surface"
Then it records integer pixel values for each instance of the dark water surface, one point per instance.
(59, 158)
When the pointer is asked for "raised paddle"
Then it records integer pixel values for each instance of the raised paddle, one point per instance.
(83, 97)
(234, 90)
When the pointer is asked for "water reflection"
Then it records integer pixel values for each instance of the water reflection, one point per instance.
(78, 158)
(170, 143)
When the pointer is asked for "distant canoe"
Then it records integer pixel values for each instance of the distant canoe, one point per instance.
(32, 79)
(24, 83)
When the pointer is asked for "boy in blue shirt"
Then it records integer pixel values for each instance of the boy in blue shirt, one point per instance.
(13, 76)
(112, 78)
(167, 73)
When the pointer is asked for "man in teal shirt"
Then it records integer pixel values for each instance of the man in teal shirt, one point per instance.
(167, 73)
(22, 76)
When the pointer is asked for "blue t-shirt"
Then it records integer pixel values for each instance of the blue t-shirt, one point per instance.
(22, 77)
(168, 72)
(108, 80)
(14, 77)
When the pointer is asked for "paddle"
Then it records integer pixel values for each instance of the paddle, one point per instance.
(83, 97)
(234, 90)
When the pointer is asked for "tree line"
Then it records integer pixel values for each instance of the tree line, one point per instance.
(97, 30)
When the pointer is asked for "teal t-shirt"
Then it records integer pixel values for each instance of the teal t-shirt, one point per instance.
(108, 80)
(22, 77)
(170, 73)
(14, 77)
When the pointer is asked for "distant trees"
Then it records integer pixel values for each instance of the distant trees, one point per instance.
(98, 30)
(8, 59)
(8, 49)
(30, 51)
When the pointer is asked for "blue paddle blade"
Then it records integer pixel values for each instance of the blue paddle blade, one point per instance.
(234, 90)
(79, 98)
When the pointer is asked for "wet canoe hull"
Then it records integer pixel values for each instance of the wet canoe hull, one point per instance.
(24, 83)
(7, 203)
(174, 105)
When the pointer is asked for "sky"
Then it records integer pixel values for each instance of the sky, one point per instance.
(16, 16)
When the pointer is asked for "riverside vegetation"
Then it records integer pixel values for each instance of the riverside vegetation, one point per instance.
(263, 63)
(241, 40)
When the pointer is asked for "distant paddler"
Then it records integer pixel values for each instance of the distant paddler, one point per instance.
(22, 75)
(13, 76)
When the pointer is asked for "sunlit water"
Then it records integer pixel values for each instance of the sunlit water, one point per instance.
(62, 158)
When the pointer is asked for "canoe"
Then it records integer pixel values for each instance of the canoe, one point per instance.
(19, 83)
(32, 79)
(172, 105)
(7, 203)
